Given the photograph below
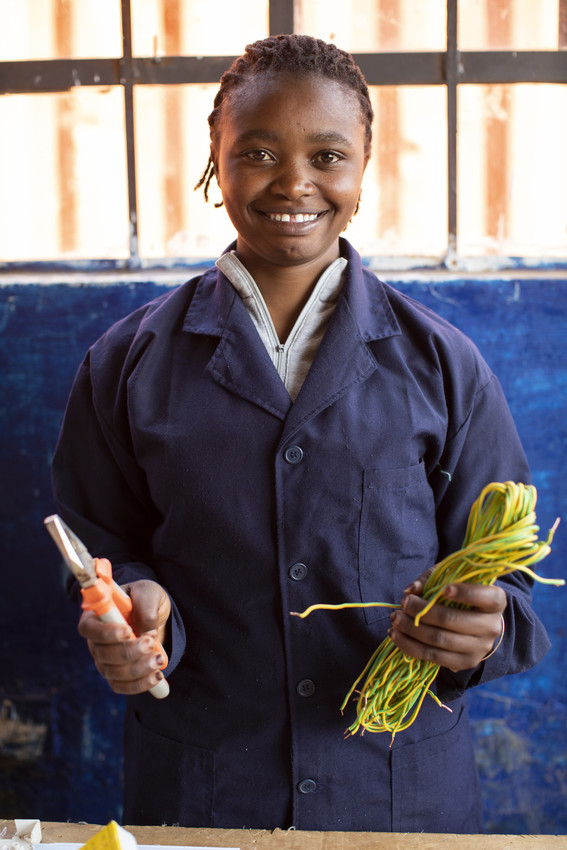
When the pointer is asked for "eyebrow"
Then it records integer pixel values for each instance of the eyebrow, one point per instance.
(327, 138)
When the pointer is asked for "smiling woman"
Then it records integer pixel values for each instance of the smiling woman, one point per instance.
(288, 193)
(289, 162)
(103, 111)
(285, 410)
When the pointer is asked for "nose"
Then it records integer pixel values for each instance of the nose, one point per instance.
(292, 180)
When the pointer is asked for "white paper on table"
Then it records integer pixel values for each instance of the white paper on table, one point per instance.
(29, 830)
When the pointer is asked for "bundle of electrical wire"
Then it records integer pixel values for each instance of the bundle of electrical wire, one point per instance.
(501, 537)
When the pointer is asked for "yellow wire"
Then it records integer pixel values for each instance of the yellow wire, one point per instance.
(501, 537)
(322, 607)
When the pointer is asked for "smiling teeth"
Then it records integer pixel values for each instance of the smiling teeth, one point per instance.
(298, 218)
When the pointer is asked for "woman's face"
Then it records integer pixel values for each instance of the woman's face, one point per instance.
(289, 159)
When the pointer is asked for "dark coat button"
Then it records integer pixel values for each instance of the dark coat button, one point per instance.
(307, 786)
(298, 572)
(293, 454)
(306, 688)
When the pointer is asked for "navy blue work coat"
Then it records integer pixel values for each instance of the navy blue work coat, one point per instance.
(183, 459)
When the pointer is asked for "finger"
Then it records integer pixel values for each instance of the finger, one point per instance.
(123, 652)
(151, 606)
(465, 658)
(131, 666)
(94, 630)
(469, 622)
(417, 585)
(491, 599)
(122, 683)
(452, 638)
(136, 676)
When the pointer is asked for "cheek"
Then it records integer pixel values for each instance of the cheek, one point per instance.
(347, 185)
(237, 196)
(347, 193)
(242, 188)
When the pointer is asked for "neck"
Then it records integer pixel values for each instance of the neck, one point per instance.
(286, 289)
(286, 295)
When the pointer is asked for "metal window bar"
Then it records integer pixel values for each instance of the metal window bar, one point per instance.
(451, 80)
(126, 79)
(451, 68)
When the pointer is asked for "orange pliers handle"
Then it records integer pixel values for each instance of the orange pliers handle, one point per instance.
(102, 596)
(100, 592)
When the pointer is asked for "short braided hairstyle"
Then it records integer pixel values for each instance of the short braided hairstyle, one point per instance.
(297, 55)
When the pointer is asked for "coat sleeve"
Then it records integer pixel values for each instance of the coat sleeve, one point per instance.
(486, 448)
(101, 491)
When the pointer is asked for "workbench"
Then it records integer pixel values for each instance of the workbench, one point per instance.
(251, 839)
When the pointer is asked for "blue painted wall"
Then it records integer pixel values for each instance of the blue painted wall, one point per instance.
(60, 726)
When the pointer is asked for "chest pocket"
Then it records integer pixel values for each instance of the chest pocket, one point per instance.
(398, 536)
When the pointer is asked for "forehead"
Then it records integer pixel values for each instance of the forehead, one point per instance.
(284, 103)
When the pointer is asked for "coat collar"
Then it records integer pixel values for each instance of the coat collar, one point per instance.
(241, 363)
(367, 299)
(364, 293)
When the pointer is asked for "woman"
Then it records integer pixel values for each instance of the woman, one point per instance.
(282, 430)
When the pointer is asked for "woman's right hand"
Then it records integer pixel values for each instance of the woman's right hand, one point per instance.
(129, 660)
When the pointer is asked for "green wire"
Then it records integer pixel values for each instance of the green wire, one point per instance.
(501, 537)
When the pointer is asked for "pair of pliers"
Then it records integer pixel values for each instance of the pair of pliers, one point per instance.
(100, 592)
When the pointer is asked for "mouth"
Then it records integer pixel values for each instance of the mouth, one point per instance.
(293, 218)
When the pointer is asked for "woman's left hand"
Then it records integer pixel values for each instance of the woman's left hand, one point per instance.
(451, 637)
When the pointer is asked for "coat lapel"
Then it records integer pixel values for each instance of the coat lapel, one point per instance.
(344, 359)
(240, 361)
(242, 365)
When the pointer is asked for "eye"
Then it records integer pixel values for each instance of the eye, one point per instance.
(327, 157)
(258, 155)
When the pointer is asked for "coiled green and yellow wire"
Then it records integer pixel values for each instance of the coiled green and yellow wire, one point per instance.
(501, 537)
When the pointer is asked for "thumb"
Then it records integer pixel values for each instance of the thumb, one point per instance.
(151, 607)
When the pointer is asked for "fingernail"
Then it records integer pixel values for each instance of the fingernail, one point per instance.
(159, 661)
(158, 676)
(411, 588)
(450, 591)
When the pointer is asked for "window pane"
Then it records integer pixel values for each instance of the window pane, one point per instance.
(60, 29)
(63, 176)
(172, 149)
(187, 28)
(509, 25)
(512, 173)
(367, 26)
(403, 207)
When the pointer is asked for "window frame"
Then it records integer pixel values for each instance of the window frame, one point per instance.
(450, 68)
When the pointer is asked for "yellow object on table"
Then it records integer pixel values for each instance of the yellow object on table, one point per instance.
(111, 837)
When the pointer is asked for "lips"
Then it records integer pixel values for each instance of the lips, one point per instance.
(293, 218)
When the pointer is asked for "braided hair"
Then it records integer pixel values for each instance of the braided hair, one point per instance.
(299, 55)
